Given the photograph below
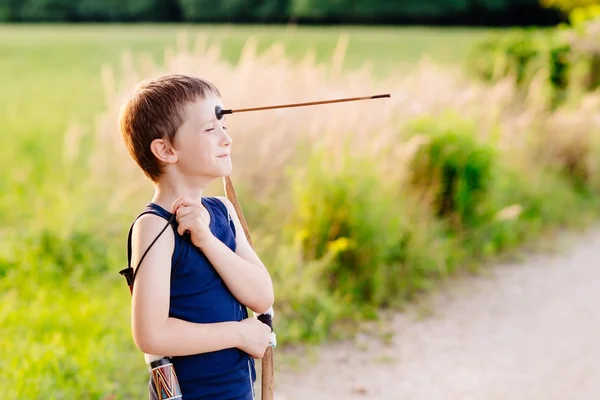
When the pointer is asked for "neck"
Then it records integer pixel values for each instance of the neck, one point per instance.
(170, 188)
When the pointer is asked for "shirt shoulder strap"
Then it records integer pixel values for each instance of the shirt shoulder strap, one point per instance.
(219, 204)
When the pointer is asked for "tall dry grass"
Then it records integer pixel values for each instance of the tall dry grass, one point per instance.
(333, 186)
(268, 143)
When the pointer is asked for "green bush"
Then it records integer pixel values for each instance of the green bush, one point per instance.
(453, 169)
(492, 201)
(562, 56)
(308, 308)
(502, 55)
(363, 242)
(521, 206)
(381, 246)
(522, 55)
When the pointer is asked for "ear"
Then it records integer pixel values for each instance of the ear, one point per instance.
(163, 151)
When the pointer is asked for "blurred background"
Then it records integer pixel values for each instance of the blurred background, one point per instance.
(488, 143)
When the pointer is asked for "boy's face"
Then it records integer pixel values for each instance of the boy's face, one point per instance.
(202, 143)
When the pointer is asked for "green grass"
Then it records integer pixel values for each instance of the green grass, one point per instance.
(68, 337)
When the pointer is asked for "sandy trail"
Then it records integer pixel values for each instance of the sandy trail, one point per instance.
(527, 330)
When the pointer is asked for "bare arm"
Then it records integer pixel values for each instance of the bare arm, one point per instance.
(154, 332)
(243, 272)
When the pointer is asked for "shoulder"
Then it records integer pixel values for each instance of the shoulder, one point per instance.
(232, 217)
(149, 222)
(149, 228)
(228, 207)
(228, 204)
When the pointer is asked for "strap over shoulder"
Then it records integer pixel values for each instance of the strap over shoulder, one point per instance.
(129, 273)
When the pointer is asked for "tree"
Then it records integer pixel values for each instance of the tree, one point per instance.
(578, 11)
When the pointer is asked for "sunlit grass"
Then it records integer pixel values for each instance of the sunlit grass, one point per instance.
(330, 193)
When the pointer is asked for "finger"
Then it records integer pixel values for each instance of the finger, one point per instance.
(183, 228)
(183, 201)
(182, 211)
(192, 219)
(176, 204)
(194, 213)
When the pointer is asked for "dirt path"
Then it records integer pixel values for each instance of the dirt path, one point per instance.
(525, 331)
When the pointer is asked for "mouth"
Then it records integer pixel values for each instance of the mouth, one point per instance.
(223, 156)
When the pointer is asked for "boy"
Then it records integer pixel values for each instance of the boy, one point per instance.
(190, 295)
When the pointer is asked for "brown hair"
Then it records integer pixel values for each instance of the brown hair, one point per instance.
(156, 111)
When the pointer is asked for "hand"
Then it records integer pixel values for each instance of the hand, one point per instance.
(193, 217)
(255, 337)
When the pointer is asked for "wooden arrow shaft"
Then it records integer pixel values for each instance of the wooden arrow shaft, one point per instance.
(310, 103)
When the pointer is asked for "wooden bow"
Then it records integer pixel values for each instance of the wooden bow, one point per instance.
(267, 377)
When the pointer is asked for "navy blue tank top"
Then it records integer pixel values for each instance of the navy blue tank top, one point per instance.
(198, 294)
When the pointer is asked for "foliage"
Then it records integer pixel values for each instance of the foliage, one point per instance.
(453, 169)
(232, 10)
(270, 10)
(378, 244)
(578, 11)
(556, 59)
(568, 5)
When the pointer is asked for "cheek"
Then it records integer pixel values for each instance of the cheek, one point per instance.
(200, 149)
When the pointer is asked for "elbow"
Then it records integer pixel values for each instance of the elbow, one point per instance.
(146, 346)
(264, 303)
(147, 341)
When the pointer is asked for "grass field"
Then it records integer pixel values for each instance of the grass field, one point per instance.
(50, 76)
(64, 312)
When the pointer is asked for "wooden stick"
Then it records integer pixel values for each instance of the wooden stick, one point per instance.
(220, 112)
(268, 381)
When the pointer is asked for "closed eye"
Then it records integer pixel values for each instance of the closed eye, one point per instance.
(212, 129)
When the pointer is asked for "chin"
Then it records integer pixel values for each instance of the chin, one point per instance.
(225, 172)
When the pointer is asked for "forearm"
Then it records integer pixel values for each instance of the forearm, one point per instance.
(250, 283)
(176, 337)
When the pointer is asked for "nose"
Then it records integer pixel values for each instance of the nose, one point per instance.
(226, 140)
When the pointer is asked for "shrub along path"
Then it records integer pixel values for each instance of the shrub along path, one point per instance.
(526, 330)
